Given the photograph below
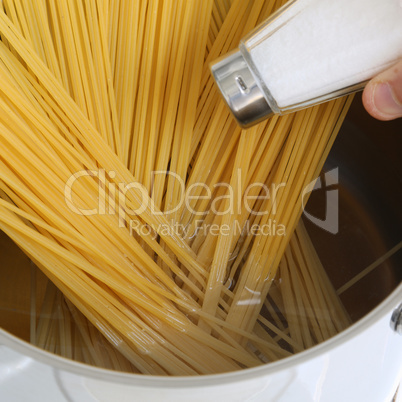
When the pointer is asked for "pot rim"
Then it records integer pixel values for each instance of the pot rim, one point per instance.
(140, 380)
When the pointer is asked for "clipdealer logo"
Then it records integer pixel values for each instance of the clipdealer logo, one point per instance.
(112, 199)
(331, 221)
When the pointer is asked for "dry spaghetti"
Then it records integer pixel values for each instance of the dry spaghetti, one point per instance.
(127, 182)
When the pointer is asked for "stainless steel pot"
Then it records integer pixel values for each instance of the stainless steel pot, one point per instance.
(362, 363)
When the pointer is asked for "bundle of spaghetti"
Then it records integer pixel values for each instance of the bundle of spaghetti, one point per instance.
(26, 143)
(301, 146)
(155, 87)
(62, 329)
(310, 304)
(302, 310)
(101, 136)
(75, 52)
(302, 154)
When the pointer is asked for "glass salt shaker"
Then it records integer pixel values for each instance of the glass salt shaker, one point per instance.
(308, 52)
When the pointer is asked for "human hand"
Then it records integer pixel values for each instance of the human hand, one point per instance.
(382, 96)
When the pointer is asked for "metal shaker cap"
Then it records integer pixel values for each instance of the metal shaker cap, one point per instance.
(240, 90)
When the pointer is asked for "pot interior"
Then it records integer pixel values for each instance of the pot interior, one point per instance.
(366, 157)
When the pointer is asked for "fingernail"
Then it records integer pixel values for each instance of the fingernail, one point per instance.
(386, 102)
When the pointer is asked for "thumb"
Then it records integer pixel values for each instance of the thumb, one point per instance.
(382, 96)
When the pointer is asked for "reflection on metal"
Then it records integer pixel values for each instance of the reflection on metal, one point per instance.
(396, 320)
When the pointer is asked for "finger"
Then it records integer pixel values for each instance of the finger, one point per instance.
(382, 96)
